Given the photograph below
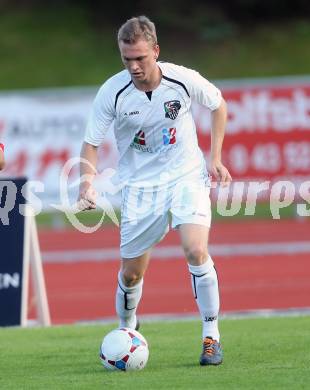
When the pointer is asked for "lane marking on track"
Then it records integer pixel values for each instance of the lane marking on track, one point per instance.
(175, 251)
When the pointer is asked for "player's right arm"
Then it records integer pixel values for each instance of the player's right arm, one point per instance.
(2, 161)
(88, 163)
(100, 119)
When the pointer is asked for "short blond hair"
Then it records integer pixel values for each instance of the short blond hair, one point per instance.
(137, 28)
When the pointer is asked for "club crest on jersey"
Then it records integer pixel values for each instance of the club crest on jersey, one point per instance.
(172, 109)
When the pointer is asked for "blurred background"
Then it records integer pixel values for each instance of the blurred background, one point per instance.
(69, 43)
(56, 54)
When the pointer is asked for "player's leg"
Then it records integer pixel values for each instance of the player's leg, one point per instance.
(204, 280)
(194, 239)
(139, 232)
(129, 289)
(192, 215)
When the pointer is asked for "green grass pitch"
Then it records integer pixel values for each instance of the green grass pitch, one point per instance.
(260, 353)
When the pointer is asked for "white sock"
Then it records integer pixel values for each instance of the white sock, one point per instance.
(127, 300)
(206, 293)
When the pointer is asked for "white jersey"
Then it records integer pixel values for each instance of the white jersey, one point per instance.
(155, 132)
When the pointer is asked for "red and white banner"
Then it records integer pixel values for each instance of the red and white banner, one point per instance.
(42, 131)
(268, 132)
(267, 137)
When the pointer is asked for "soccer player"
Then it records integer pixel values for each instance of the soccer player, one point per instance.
(162, 170)
(2, 161)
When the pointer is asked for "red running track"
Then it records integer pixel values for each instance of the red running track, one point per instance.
(84, 290)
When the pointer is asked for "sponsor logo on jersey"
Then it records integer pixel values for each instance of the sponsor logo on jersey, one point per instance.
(139, 142)
(172, 109)
(169, 136)
(132, 113)
(139, 138)
(168, 139)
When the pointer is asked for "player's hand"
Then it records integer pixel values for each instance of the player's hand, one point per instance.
(87, 198)
(221, 173)
(2, 162)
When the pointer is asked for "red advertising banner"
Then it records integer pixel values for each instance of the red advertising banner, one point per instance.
(268, 132)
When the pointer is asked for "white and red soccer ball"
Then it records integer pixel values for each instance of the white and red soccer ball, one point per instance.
(124, 349)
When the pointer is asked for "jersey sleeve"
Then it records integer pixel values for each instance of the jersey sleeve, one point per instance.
(202, 91)
(101, 116)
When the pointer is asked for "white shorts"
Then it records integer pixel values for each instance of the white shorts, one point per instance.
(147, 212)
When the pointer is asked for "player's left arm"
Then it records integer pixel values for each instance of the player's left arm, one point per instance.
(218, 124)
(206, 94)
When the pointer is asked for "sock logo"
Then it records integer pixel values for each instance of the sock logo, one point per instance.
(210, 319)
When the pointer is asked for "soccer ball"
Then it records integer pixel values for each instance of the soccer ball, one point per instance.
(124, 349)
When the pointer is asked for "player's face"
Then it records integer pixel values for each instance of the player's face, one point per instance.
(140, 60)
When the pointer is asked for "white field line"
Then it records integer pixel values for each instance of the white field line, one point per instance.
(230, 315)
(175, 251)
(172, 317)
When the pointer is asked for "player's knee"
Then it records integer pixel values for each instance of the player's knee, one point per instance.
(131, 277)
(196, 254)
